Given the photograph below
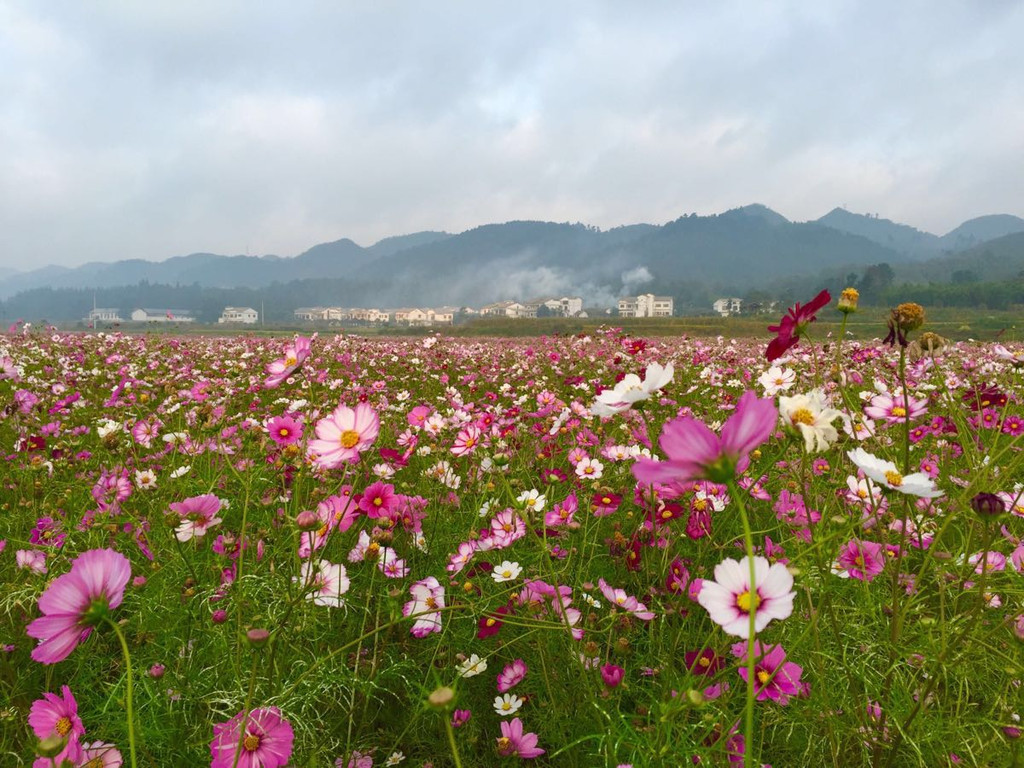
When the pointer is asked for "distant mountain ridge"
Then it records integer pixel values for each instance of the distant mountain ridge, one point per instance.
(733, 251)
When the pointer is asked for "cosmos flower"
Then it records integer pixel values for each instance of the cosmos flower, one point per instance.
(794, 325)
(284, 430)
(514, 743)
(511, 676)
(620, 599)
(507, 704)
(325, 583)
(77, 601)
(695, 452)
(472, 666)
(812, 417)
(343, 435)
(507, 571)
(632, 389)
(97, 754)
(860, 560)
(885, 473)
(774, 677)
(198, 514)
(56, 716)
(295, 354)
(776, 380)
(265, 740)
(426, 604)
(730, 599)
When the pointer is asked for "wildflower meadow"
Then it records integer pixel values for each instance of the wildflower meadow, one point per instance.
(589, 550)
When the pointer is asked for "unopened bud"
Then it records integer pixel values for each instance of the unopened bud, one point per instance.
(988, 505)
(441, 698)
(257, 637)
(51, 746)
(307, 520)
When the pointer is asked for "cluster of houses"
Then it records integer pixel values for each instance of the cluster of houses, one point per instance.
(644, 305)
(107, 316)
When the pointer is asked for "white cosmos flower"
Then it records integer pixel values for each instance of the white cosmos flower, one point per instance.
(632, 389)
(472, 666)
(886, 474)
(811, 415)
(777, 379)
(180, 471)
(507, 704)
(507, 571)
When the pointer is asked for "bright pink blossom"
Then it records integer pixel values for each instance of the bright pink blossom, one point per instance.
(511, 676)
(56, 716)
(77, 601)
(295, 354)
(774, 677)
(265, 740)
(514, 743)
(695, 452)
(861, 559)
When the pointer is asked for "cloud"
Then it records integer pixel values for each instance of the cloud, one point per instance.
(155, 129)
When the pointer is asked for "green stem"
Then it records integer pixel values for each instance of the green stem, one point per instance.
(748, 542)
(245, 712)
(451, 741)
(128, 704)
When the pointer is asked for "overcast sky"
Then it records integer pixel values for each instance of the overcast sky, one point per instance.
(151, 129)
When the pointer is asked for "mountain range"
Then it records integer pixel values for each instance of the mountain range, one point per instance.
(734, 251)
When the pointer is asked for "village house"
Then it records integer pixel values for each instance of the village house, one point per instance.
(726, 307)
(646, 305)
(103, 315)
(244, 315)
(149, 315)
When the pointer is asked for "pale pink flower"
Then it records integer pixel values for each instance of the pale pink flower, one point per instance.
(511, 676)
(343, 435)
(198, 514)
(295, 354)
(730, 598)
(426, 604)
(620, 599)
(265, 740)
(514, 743)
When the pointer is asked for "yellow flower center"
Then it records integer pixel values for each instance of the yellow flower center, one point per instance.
(431, 603)
(290, 361)
(378, 501)
(504, 744)
(704, 661)
(62, 726)
(490, 622)
(251, 742)
(899, 411)
(283, 432)
(745, 600)
(895, 478)
(802, 416)
(96, 762)
(700, 504)
(763, 676)
(349, 438)
(506, 706)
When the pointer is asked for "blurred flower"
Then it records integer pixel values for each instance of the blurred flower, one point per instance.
(511, 676)
(885, 473)
(812, 417)
(794, 325)
(472, 666)
(77, 601)
(56, 716)
(295, 354)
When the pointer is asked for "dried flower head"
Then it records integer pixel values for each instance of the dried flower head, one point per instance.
(904, 318)
(848, 300)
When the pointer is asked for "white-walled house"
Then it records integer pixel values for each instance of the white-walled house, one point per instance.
(728, 306)
(646, 305)
(104, 315)
(149, 315)
(245, 315)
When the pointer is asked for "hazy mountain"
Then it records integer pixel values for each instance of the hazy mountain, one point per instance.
(990, 261)
(899, 237)
(978, 230)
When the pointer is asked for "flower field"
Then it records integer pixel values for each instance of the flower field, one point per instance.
(575, 550)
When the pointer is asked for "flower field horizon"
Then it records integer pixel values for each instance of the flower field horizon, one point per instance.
(579, 550)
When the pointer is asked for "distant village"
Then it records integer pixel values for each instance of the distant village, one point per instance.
(643, 305)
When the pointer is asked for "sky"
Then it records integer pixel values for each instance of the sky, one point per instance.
(154, 129)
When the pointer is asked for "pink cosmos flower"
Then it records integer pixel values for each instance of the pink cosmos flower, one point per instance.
(861, 560)
(612, 675)
(77, 601)
(467, 440)
(57, 716)
(284, 430)
(198, 514)
(264, 741)
(295, 354)
(794, 325)
(100, 755)
(695, 452)
(378, 500)
(427, 600)
(343, 435)
(514, 743)
(729, 599)
(511, 676)
(620, 599)
(890, 408)
(774, 677)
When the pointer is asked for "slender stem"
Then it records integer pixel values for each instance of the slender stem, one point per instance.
(245, 712)
(748, 542)
(451, 741)
(128, 704)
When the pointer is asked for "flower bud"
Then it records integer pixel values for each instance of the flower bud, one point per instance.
(219, 616)
(988, 505)
(257, 637)
(50, 747)
(307, 520)
(157, 671)
(441, 698)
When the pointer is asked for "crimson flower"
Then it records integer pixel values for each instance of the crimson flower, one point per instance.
(794, 324)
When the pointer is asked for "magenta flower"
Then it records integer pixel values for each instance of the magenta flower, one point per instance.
(378, 500)
(861, 559)
(511, 676)
(612, 675)
(730, 599)
(295, 354)
(695, 452)
(265, 740)
(514, 743)
(774, 677)
(794, 325)
(284, 430)
(620, 599)
(343, 435)
(56, 716)
(77, 601)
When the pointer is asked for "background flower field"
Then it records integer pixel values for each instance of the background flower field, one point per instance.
(435, 551)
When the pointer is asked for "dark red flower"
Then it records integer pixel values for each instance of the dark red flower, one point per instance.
(793, 325)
